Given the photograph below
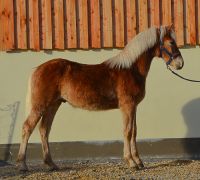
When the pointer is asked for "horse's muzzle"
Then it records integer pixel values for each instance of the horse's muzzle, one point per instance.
(178, 63)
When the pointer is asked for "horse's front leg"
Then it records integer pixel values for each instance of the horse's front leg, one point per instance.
(134, 151)
(130, 131)
(127, 111)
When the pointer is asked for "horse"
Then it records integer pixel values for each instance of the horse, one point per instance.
(116, 83)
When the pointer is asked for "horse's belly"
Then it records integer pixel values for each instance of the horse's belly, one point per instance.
(92, 101)
(93, 105)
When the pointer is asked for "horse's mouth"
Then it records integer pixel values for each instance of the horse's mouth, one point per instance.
(178, 63)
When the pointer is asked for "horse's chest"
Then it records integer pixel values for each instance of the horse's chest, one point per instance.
(139, 96)
(134, 92)
(138, 92)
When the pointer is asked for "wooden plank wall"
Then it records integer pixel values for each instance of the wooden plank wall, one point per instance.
(6, 25)
(84, 24)
(33, 24)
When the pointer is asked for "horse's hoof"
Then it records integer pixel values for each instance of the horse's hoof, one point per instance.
(23, 169)
(140, 166)
(131, 164)
(54, 168)
(51, 165)
(134, 166)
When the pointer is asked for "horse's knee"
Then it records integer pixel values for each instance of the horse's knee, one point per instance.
(127, 129)
(127, 133)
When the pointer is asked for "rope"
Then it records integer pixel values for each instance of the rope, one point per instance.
(191, 80)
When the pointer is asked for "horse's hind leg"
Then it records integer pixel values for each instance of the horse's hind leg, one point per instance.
(45, 127)
(27, 130)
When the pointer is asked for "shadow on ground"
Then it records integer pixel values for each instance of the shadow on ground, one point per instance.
(4, 163)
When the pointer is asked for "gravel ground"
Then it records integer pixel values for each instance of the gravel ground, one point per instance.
(106, 169)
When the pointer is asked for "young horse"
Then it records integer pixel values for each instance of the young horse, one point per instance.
(118, 82)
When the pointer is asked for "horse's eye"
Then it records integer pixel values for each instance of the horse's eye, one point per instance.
(172, 43)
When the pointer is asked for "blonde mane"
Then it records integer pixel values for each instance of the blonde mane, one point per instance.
(137, 46)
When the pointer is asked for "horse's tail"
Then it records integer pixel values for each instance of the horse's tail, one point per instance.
(28, 97)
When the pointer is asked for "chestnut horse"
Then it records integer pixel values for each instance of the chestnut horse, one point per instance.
(118, 82)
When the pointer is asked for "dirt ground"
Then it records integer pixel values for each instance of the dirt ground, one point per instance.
(106, 169)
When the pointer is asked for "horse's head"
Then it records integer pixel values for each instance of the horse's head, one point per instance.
(168, 48)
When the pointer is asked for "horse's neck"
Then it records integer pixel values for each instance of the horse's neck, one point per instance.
(144, 62)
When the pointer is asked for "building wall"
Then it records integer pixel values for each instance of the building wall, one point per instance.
(170, 109)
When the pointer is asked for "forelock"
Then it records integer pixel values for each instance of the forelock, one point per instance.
(164, 30)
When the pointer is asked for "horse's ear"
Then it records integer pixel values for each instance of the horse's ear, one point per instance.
(171, 27)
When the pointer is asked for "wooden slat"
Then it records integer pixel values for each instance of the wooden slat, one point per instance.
(21, 24)
(46, 24)
(198, 24)
(166, 12)
(34, 38)
(119, 9)
(119, 23)
(154, 12)
(143, 15)
(190, 22)
(83, 24)
(58, 24)
(95, 24)
(178, 22)
(6, 25)
(71, 24)
(107, 23)
(130, 19)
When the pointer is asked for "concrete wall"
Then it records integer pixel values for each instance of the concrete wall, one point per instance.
(170, 109)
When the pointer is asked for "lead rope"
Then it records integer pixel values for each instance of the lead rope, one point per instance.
(191, 80)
